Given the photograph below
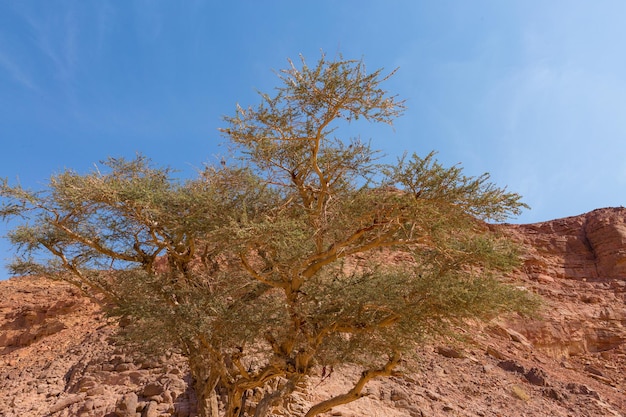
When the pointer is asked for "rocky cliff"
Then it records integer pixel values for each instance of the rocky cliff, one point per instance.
(56, 357)
(579, 265)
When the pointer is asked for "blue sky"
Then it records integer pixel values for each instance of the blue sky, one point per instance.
(533, 92)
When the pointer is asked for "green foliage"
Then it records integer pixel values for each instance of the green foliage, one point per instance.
(261, 272)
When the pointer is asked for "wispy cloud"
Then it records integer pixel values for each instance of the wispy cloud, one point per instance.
(561, 117)
(55, 35)
(16, 72)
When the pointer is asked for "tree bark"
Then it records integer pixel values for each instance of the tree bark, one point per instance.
(205, 382)
(272, 399)
(235, 403)
(207, 399)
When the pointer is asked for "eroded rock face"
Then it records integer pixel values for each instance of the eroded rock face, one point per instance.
(589, 247)
(57, 359)
(606, 233)
(579, 265)
(27, 317)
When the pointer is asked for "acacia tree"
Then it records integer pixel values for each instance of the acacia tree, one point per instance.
(262, 271)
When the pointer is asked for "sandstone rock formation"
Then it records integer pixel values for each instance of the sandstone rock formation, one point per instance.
(57, 358)
(579, 265)
(589, 247)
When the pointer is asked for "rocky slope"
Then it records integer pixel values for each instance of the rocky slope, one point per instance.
(56, 358)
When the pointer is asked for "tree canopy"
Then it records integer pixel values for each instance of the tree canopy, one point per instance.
(265, 268)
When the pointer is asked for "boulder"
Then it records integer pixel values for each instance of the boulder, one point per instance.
(127, 406)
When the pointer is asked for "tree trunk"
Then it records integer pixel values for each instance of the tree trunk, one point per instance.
(270, 400)
(235, 403)
(207, 399)
(205, 382)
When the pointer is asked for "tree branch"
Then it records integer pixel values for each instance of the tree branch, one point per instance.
(355, 392)
(259, 277)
